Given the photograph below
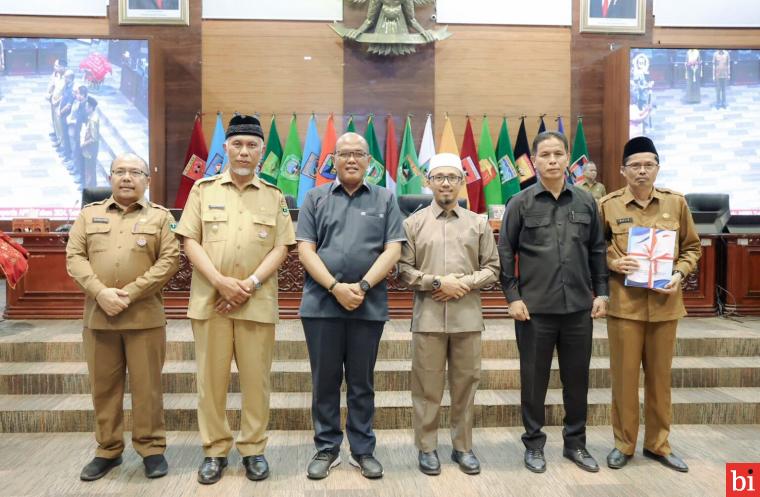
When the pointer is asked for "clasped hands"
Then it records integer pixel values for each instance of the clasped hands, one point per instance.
(113, 300)
(452, 288)
(233, 293)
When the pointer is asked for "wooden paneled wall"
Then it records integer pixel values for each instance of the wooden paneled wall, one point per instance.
(271, 67)
(503, 70)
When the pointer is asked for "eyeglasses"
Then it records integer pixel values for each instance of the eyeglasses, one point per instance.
(347, 154)
(133, 173)
(438, 179)
(648, 167)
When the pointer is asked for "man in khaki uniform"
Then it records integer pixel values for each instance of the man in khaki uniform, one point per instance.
(449, 255)
(121, 252)
(590, 184)
(642, 322)
(237, 231)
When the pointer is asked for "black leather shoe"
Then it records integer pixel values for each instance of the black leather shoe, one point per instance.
(672, 461)
(321, 464)
(98, 468)
(467, 461)
(370, 467)
(582, 459)
(616, 459)
(256, 467)
(155, 466)
(211, 470)
(534, 460)
(429, 463)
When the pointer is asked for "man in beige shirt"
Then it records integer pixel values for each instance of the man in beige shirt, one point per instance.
(449, 255)
(237, 231)
(121, 252)
(590, 184)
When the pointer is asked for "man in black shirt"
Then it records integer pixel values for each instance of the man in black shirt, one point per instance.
(555, 231)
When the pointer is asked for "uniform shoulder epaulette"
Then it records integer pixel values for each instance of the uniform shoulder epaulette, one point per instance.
(98, 202)
(668, 190)
(270, 185)
(158, 206)
(616, 193)
(208, 180)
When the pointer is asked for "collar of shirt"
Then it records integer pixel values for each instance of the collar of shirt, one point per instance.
(227, 178)
(539, 189)
(437, 210)
(628, 195)
(337, 187)
(113, 203)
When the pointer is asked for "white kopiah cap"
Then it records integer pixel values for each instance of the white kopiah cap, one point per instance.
(445, 160)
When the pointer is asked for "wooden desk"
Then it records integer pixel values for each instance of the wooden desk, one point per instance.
(47, 292)
(743, 273)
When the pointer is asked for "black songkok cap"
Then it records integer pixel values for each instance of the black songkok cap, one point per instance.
(244, 125)
(638, 145)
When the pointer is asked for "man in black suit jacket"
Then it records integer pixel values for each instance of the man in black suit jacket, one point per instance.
(154, 4)
(616, 9)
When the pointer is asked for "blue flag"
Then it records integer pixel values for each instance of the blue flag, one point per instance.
(309, 161)
(217, 157)
(560, 126)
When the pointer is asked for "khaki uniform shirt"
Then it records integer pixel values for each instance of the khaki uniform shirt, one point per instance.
(438, 244)
(597, 190)
(237, 229)
(133, 249)
(667, 210)
(722, 65)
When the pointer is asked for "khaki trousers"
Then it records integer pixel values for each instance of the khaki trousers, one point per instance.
(634, 344)
(109, 354)
(217, 341)
(430, 351)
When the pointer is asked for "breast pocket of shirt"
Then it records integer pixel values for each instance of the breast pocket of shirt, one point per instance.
(620, 237)
(264, 229)
(536, 229)
(144, 238)
(215, 226)
(98, 237)
(580, 223)
(374, 223)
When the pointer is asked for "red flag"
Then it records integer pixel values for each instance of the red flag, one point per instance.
(198, 148)
(391, 155)
(469, 157)
(12, 260)
(326, 170)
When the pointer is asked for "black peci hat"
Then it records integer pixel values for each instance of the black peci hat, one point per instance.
(638, 145)
(244, 125)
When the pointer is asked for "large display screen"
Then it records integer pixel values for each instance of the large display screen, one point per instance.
(701, 107)
(67, 108)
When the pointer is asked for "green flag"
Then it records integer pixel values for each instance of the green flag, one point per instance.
(489, 173)
(510, 181)
(270, 169)
(376, 170)
(580, 156)
(290, 169)
(409, 178)
(351, 127)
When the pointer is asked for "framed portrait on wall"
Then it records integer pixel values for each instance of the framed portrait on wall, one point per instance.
(154, 12)
(613, 16)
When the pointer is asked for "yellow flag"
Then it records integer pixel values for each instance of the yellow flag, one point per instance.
(448, 144)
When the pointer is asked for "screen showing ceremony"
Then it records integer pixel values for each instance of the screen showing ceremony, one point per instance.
(67, 108)
(700, 106)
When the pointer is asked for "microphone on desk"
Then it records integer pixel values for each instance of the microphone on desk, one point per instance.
(65, 228)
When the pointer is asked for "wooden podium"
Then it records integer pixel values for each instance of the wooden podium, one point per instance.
(47, 291)
(743, 273)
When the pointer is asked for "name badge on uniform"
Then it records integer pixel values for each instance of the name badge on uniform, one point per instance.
(624, 220)
(218, 207)
(666, 216)
(263, 234)
(141, 242)
(101, 220)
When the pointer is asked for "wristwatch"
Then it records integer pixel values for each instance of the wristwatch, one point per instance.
(606, 298)
(332, 287)
(365, 286)
(256, 282)
(436, 283)
(683, 276)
